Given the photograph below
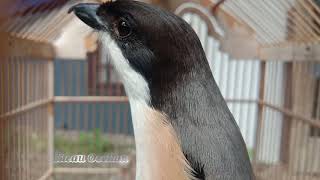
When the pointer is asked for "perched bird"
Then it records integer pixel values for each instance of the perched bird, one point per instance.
(183, 128)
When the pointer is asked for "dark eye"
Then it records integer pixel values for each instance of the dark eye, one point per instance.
(123, 29)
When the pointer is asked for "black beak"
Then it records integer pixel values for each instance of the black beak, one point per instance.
(87, 12)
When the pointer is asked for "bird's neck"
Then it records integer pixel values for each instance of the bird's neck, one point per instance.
(159, 155)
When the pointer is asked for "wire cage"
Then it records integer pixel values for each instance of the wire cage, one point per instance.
(54, 104)
(26, 115)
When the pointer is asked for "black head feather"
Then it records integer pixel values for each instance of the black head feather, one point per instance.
(159, 41)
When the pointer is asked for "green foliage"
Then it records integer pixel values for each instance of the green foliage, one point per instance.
(250, 152)
(86, 143)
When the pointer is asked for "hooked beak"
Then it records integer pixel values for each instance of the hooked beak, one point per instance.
(87, 12)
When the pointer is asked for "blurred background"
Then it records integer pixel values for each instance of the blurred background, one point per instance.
(59, 94)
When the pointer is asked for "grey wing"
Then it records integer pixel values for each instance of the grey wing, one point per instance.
(216, 150)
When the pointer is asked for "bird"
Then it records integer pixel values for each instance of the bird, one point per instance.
(183, 128)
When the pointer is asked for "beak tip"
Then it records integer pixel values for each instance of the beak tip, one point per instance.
(87, 12)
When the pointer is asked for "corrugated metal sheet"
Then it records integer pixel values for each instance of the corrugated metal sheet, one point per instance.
(276, 22)
(273, 120)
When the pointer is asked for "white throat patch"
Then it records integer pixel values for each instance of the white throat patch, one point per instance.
(135, 85)
(139, 96)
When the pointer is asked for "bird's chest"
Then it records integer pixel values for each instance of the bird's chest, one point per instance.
(159, 155)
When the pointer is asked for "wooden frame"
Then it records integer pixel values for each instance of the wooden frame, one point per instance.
(286, 124)
(291, 52)
(26, 108)
(78, 171)
(260, 109)
(24, 48)
(284, 111)
(50, 89)
(91, 99)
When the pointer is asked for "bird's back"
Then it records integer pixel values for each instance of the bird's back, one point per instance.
(210, 138)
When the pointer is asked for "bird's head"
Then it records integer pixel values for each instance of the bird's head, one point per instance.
(147, 44)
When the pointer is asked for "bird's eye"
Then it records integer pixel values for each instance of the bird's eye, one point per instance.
(123, 29)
